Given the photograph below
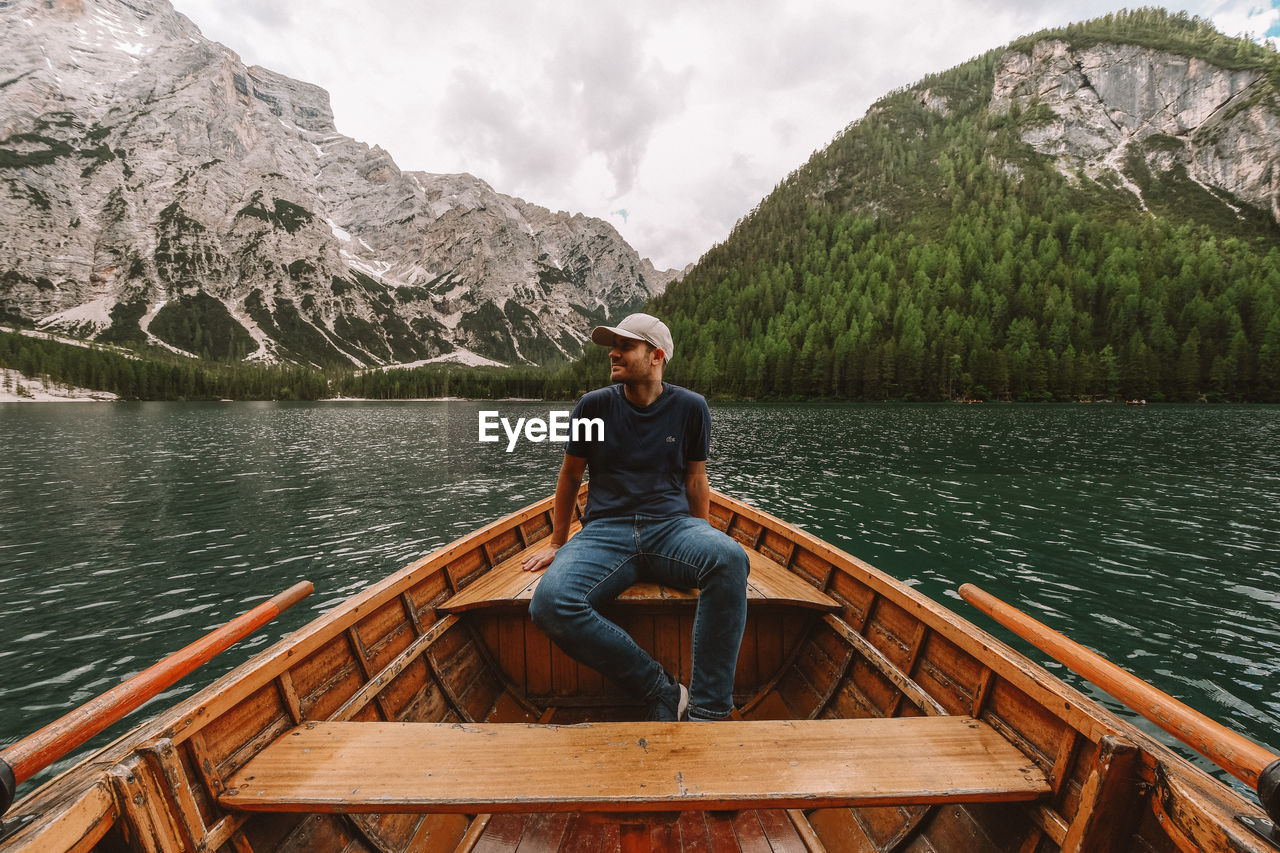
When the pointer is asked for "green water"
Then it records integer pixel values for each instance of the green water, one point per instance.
(128, 530)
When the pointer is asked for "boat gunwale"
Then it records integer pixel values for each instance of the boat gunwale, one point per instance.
(1158, 763)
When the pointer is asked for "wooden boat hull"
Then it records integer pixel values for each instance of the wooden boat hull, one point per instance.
(396, 653)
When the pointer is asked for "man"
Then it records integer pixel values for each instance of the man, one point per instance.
(646, 520)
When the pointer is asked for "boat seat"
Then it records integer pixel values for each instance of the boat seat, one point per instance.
(509, 584)
(514, 767)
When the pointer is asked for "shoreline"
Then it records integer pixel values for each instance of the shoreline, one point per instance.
(38, 391)
(16, 388)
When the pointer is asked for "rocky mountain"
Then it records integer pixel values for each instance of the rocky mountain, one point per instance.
(1087, 213)
(158, 190)
(1106, 102)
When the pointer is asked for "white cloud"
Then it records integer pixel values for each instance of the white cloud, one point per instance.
(684, 114)
(1245, 17)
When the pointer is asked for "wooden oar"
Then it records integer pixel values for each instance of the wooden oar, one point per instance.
(1230, 750)
(33, 753)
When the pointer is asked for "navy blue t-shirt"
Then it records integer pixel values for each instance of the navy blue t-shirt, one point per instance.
(639, 467)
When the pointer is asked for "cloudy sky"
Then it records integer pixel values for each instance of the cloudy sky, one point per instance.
(669, 118)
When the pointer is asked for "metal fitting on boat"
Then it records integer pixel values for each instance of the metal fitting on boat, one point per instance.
(8, 785)
(1269, 791)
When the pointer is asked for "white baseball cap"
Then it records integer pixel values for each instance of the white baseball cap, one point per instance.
(642, 327)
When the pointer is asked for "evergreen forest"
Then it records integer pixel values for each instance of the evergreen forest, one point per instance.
(157, 375)
(153, 375)
(931, 256)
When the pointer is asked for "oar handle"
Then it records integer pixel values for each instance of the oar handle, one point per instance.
(1230, 750)
(36, 751)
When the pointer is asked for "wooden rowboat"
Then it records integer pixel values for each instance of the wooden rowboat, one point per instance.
(428, 713)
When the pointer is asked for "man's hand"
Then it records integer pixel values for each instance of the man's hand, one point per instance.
(542, 559)
(567, 485)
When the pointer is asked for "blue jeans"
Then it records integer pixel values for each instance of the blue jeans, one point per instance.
(610, 554)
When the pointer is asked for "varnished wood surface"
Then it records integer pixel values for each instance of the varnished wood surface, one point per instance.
(772, 582)
(754, 831)
(508, 584)
(382, 767)
(83, 817)
(388, 653)
(1227, 748)
(505, 583)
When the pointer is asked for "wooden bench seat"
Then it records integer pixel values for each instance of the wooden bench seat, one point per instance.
(512, 767)
(508, 584)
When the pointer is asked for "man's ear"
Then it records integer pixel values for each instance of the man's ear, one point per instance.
(662, 356)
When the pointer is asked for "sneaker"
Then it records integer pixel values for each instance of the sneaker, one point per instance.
(672, 703)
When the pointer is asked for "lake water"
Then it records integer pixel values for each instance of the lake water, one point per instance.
(129, 530)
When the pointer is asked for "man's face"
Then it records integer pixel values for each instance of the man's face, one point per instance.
(632, 360)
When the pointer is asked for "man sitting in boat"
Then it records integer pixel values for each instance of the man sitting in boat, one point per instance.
(646, 520)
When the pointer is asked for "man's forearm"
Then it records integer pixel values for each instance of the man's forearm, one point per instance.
(567, 487)
(698, 490)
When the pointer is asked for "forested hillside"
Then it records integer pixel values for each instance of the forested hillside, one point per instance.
(151, 375)
(930, 253)
(156, 376)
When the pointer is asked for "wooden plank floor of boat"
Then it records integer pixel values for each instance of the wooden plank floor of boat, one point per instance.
(757, 830)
